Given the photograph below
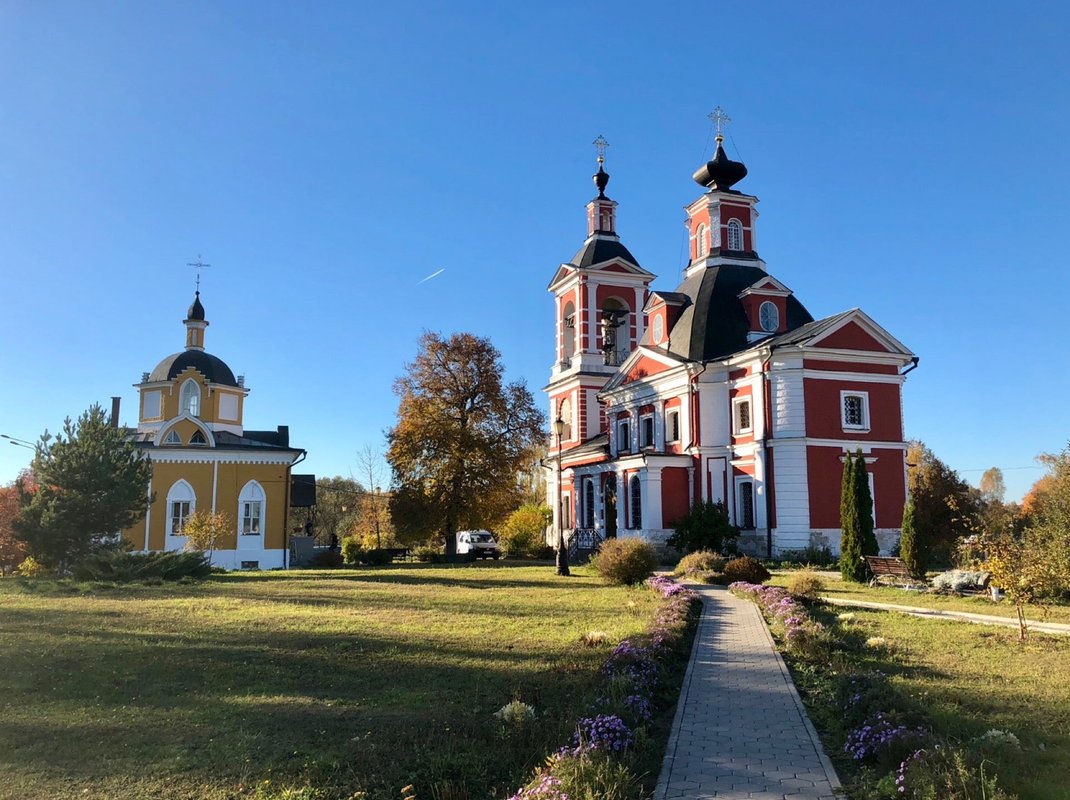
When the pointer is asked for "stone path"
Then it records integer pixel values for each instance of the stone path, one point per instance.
(958, 616)
(740, 729)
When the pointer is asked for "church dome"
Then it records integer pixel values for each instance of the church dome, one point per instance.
(720, 173)
(213, 368)
(196, 310)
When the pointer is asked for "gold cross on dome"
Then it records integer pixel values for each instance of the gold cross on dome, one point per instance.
(198, 265)
(601, 144)
(721, 120)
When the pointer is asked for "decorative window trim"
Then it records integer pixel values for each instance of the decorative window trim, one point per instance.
(737, 427)
(172, 437)
(252, 495)
(635, 503)
(864, 426)
(624, 432)
(734, 234)
(672, 425)
(588, 503)
(180, 493)
(183, 405)
(197, 439)
(646, 422)
(657, 329)
(702, 241)
(741, 481)
(776, 316)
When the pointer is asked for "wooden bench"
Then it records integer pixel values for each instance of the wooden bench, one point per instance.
(888, 567)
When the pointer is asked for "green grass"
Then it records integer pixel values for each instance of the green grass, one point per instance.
(976, 604)
(256, 684)
(968, 680)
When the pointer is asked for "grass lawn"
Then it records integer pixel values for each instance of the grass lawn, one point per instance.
(266, 684)
(977, 604)
(971, 679)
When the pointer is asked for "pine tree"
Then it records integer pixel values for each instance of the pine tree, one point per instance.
(864, 499)
(910, 547)
(852, 565)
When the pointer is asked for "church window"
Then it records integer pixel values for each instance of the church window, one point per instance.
(191, 398)
(624, 442)
(197, 438)
(741, 416)
(615, 331)
(658, 331)
(568, 334)
(150, 405)
(746, 505)
(854, 410)
(251, 509)
(566, 512)
(769, 317)
(702, 248)
(635, 502)
(181, 502)
(565, 412)
(735, 234)
(172, 438)
(646, 431)
(588, 503)
(672, 426)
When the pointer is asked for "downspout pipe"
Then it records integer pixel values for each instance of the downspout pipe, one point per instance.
(913, 365)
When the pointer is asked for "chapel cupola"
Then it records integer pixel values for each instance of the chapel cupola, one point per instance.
(195, 324)
(601, 212)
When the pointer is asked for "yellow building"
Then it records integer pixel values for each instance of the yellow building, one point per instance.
(190, 425)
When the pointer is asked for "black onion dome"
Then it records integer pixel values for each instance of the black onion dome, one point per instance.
(213, 368)
(720, 173)
(601, 180)
(196, 311)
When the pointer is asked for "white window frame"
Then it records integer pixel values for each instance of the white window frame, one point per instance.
(186, 392)
(180, 493)
(865, 425)
(735, 228)
(172, 437)
(643, 420)
(672, 416)
(565, 414)
(624, 433)
(252, 493)
(737, 428)
(702, 241)
(776, 316)
(635, 502)
(741, 480)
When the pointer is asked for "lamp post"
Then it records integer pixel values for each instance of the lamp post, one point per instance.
(378, 541)
(562, 552)
(18, 442)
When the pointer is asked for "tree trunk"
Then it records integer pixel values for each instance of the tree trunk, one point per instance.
(1023, 631)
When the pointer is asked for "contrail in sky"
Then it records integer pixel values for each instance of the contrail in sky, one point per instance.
(432, 275)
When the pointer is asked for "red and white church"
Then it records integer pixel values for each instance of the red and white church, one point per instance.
(725, 389)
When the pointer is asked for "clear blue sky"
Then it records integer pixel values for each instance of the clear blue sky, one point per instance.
(911, 159)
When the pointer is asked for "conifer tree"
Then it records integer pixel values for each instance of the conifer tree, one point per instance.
(910, 547)
(864, 499)
(852, 565)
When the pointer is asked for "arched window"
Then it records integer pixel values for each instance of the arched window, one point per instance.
(251, 509)
(566, 512)
(616, 331)
(172, 438)
(635, 502)
(588, 503)
(735, 234)
(191, 398)
(769, 317)
(702, 240)
(568, 331)
(565, 412)
(181, 502)
(197, 438)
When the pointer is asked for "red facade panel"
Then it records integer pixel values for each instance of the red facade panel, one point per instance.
(825, 478)
(852, 336)
(674, 495)
(824, 418)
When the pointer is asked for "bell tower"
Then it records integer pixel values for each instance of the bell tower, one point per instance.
(598, 302)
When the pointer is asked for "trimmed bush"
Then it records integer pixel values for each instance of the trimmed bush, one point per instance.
(377, 558)
(746, 569)
(427, 554)
(625, 561)
(327, 559)
(352, 550)
(524, 533)
(700, 561)
(706, 527)
(119, 566)
(806, 584)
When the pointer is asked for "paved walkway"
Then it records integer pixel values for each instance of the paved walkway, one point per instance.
(957, 616)
(740, 729)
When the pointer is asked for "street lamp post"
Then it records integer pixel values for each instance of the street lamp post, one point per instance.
(562, 551)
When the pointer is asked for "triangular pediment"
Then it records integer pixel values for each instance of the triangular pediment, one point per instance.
(767, 285)
(643, 362)
(856, 330)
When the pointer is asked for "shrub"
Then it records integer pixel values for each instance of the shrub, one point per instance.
(812, 555)
(911, 548)
(377, 558)
(427, 553)
(706, 527)
(699, 561)
(746, 569)
(625, 561)
(327, 559)
(30, 568)
(352, 550)
(958, 580)
(524, 533)
(590, 776)
(805, 583)
(120, 566)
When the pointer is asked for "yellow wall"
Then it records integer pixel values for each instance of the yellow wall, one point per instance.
(171, 399)
(229, 481)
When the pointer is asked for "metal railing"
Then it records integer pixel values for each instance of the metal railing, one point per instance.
(582, 542)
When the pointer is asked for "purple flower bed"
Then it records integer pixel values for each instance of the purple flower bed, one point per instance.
(871, 740)
(546, 788)
(799, 629)
(606, 732)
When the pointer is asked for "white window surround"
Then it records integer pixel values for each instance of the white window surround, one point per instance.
(735, 234)
(859, 410)
(738, 428)
(191, 398)
(768, 317)
(672, 425)
(658, 329)
(251, 508)
(745, 487)
(702, 246)
(624, 435)
(151, 406)
(181, 502)
(646, 424)
(172, 438)
(635, 503)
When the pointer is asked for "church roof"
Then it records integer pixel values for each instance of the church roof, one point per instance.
(598, 249)
(196, 310)
(213, 368)
(715, 324)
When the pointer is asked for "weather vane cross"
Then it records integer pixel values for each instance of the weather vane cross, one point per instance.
(601, 144)
(198, 265)
(721, 120)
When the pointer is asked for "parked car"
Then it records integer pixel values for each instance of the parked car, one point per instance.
(481, 544)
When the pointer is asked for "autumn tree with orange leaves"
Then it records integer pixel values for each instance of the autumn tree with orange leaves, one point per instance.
(12, 549)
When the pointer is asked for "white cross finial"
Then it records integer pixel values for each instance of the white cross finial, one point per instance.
(198, 265)
(601, 144)
(721, 120)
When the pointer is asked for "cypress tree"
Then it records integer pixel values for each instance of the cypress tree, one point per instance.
(852, 565)
(910, 548)
(866, 535)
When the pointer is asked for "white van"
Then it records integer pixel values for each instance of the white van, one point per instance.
(480, 543)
